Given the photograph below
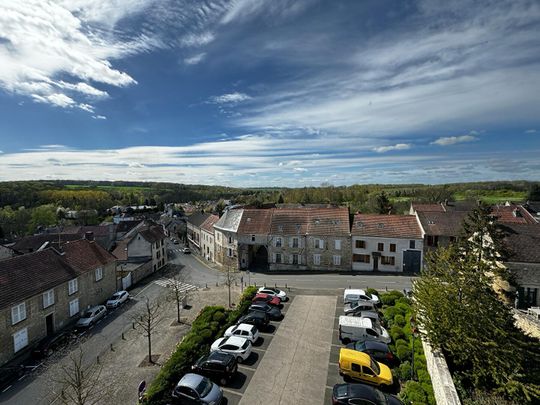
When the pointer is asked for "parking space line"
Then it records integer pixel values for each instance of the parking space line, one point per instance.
(258, 349)
(339, 346)
(333, 364)
(230, 391)
(247, 367)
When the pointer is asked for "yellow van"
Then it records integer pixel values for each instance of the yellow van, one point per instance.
(360, 366)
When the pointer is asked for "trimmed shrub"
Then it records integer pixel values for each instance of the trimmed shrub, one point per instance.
(404, 371)
(396, 333)
(373, 291)
(390, 298)
(403, 352)
(413, 392)
(399, 320)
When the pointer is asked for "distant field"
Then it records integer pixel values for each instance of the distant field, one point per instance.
(122, 189)
(491, 197)
(400, 199)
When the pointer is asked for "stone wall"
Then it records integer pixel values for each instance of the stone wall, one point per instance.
(527, 323)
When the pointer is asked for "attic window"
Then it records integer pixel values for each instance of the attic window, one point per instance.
(297, 227)
(335, 221)
(380, 225)
(430, 222)
(359, 224)
(317, 221)
(248, 220)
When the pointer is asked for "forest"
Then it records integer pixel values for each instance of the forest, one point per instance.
(25, 205)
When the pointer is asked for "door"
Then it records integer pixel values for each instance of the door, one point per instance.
(376, 256)
(49, 323)
(126, 282)
(411, 261)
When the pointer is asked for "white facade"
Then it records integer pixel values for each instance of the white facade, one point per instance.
(207, 245)
(388, 252)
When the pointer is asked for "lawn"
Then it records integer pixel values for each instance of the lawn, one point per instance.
(491, 197)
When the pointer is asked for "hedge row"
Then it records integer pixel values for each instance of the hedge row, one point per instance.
(210, 324)
(397, 312)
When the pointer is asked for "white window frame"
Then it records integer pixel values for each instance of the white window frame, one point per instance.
(336, 260)
(319, 243)
(317, 259)
(99, 273)
(48, 298)
(24, 333)
(337, 244)
(18, 313)
(73, 307)
(295, 241)
(278, 242)
(73, 286)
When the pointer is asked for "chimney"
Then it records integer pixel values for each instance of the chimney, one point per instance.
(89, 235)
(446, 202)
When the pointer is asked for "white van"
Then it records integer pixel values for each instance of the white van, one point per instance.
(355, 295)
(352, 329)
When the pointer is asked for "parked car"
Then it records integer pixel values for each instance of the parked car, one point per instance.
(175, 241)
(273, 312)
(186, 250)
(117, 299)
(256, 318)
(237, 346)
(197, 389)
(360, 366)
(49, 344)
(269, 299)
(354, 307)
(378, 350)
(91, 316)
(353, 329)
(244, 330)
(355, 294)
(282, 295)
(374, 315)
(218, 366)
(348, 394)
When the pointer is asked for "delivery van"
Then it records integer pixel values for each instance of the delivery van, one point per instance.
(353, 329)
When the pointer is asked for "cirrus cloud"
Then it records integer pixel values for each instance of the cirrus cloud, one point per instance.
(452, 140)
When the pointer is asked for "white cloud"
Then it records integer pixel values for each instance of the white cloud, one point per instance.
(531, 131)
(451, 140)
(398, 146)
(195, 59)
(99, 117)
(196, 40)
(231, 98)
(300, 169)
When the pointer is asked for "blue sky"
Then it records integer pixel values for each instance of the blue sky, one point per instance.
(270, 93)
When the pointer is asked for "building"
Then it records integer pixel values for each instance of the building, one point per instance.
(194, 222)
(6, 252)
(440, 228)
(253, 238)
(226, 238)
(207, 238)
(45, 291)
(392, 243)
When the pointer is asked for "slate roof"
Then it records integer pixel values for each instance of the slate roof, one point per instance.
(30, 244)
(386, 226)
(522, 242)
(208, 225)
(197, 219)
(255, 222)
(25, 276)
(512, 214)
(442, 223)
(152, 234)
(126, 226)
(230, 220)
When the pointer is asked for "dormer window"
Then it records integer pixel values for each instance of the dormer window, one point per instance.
(381, 225)
(280, 228)
(430, 222)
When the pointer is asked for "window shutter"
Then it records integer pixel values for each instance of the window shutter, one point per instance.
(290, 242)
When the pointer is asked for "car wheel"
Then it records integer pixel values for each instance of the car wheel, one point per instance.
(223, 381)
(240, 359)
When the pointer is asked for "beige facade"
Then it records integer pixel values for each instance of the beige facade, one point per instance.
(390, 253)
(226, 249)
(207, 244)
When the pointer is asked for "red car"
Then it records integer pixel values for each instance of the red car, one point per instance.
(269, 299)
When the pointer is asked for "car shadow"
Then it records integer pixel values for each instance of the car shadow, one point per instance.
(252, 359)
(270, 328)
(237, 381)
(258, 342)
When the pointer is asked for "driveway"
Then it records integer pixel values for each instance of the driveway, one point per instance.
(294, 367)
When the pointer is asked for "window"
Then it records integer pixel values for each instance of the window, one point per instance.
(73, 286)
(278, 242)
(99, 273)
(380, 247)
(48, 298)
(18, 313)
(253, 238)
(360, 244)
(280, 228)
(230, 239)
(317, 259)
(337, 244)
(278, 257)
(229, 252)
(432, 240)
(294, 242)
(392, 247)
(337, 260)
(319, 244)
(294, 259)
(355, 367)
(74, 307)
(20, 340)
(388, 260)
(361, 258)
(367, 371)
(412, 244)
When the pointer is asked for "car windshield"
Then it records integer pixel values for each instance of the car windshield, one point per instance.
(253, 329)
(377, 328)
(375, 366)
(88, 314)
(245, 345)
(204, 387)
(360, 346)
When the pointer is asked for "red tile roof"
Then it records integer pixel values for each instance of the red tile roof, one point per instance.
(386, 226)
(522, 242)
(86, 255)
(436, 207)
(255, 222)
(442, 223)
(208, 224)
(512, 214)
(310, 221)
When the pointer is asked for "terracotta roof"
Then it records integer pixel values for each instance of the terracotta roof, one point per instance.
(198, 218)
(120, 251)
(85, 255)
(442, 223)
(522, 242)
(208, 225)
(152, 234)
(512, 214)
(30, 244)
(255, 222)
(386, 226)
(312, 221)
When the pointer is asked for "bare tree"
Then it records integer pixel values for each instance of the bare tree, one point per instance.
(230, 278)
(148, 320)
(180, 291)
(79, 384)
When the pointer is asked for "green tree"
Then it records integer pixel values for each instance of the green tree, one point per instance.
(42, 216)
(534, 192)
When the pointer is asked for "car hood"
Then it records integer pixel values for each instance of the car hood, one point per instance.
(385, 336)
(229, 330)
(215, 345)
(214, 395)
(374, 298)
(385, 374)
(84, 322)
(112, 302)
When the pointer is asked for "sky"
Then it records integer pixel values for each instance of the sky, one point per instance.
(278, 93)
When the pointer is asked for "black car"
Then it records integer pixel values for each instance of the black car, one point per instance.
(273, 312)
(256, 318)
(10, 374)
(218, 366)
(46, 347)
(349, 394)
(378, 350)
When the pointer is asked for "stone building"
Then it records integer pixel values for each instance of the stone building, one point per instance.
(226, 238)
(194, 223)
(45, 291)
(207, 238)
(253, 238)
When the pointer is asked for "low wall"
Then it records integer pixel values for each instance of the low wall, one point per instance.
(443, 385)
(527, 324)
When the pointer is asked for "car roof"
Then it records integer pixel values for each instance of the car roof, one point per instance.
(356, 356)
(219, 357)
(191, 380)
(363, 391)
(254, 315)
(375, 345)
(244, 326)
(236, 340)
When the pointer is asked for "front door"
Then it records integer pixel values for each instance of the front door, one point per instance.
(49, 322)
(411, 261)
(376, 256)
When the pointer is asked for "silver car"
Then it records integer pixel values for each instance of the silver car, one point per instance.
(196, 389)
(91, 316)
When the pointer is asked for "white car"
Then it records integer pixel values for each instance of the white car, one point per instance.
(275, 292)
(352, 295)
(243, 330)
(91, 316)
(237, 346)
(117, 299)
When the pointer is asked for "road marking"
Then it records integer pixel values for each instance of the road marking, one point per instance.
(22, 377)
(333, 364)
(170, 282)
(257, 349)
(7, 388)
(340, 346)
(247, 367)
(230, 391)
